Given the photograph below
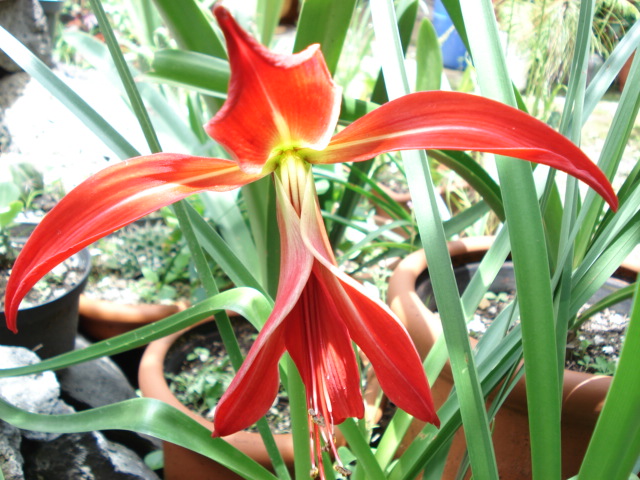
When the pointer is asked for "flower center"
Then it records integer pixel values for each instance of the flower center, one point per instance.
(293, 172)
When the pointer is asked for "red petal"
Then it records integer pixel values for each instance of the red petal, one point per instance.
(457, 121)
(110, 200)
(375, 329)
(254, 387)
(386, 343)
(274, 100)
(320, 346)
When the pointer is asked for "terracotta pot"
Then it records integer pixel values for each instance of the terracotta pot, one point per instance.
(583, 394)
(102, 319)
(178, 460)
(624, 72)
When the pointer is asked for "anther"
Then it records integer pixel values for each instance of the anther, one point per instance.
(342, 471)
(314, 472)
(317, 418)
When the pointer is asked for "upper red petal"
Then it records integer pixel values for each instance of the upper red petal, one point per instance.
(274, 99)
(110, 200)
(458, 121)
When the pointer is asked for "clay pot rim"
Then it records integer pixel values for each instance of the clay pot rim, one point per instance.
(152, 368)
(405, 302)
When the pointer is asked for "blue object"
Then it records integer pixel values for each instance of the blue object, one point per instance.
(454, 53)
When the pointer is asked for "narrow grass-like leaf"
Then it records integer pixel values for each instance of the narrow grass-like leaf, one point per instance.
(615, 445)
(605, 76)
(428, 58)
(146, 416)
(267, 16)
(43, 74)
(191, 27)
(217, 248)
(135, 100)
(611, 156)
(196, 71)
(433, 240)
(476, 176)
(248, 302)
(325, 22)
(607, 302)
(361, 449)
(299, 418)
(529, 254)
(589, 279)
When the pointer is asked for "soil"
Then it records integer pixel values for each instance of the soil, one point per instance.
(594, 348)
(55, 284)
(120, 259)
(203, 374)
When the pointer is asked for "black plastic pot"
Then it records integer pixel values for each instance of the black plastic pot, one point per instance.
(49, 329)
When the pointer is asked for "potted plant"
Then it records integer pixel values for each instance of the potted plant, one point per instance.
(166, 356)
(140, 275)
(49, 320)
(410, 295)
(278, 121)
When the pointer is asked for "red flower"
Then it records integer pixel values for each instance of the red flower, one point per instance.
(278, 119)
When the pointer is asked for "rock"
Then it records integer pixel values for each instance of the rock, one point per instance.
(11, 87)
(36, 393)
(25, 20)
(101, 382)
(11, 460)
(87, 456)
(94, 384)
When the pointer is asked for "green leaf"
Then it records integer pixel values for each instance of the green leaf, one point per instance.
(463, 366)
(325, 22)
(146, 416)
(615, 445)
(428, 58)
(87, 115)
(248, 302)
(192, 29)
(10, 206)
(268, 16)
(197, 71)
(529, 253)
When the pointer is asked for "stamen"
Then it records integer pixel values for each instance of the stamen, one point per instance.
(314, 472)
(317, 418)
(342, 471)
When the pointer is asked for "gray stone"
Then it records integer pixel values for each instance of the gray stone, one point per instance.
(87, 456)
(25, 20)
(37, 393)
(101, 382)
(11, 460)
(94, 384)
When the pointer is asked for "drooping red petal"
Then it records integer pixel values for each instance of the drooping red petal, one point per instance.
(387, 345)
(320, 346)
(274, 100)
(108, 201)
(255, 386)
(375, 329)
(458, 121)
